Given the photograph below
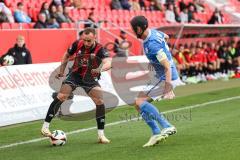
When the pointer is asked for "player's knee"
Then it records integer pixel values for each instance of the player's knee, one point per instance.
(62, 97)
(139, 101)
(98, 101)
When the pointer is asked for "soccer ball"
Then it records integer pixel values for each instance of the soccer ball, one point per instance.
(58, 138)
(9, 59)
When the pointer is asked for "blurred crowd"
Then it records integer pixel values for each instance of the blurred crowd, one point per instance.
(52, 14)
(203, 61)
(176, 11)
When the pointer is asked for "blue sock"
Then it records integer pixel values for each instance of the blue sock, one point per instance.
(150, 109)
(151, 123)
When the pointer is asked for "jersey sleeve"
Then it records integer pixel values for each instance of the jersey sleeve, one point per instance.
(102, 53)
(156, 49)
(73, 48)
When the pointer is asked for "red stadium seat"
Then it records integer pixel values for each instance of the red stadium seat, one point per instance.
(6, 26)
(65, 25)
(72, 25)
(31, 25)
(24, 25)
(15, 25)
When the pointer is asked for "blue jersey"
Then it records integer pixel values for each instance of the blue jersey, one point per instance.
(156, 48)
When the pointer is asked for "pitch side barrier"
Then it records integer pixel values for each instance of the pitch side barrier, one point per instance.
(26, 90)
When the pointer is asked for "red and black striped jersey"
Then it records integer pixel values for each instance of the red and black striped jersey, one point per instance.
(86, 59)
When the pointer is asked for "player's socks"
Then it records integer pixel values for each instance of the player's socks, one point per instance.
(100, 116)
(151, 123)
(53, 109)
(46, 124)
(150, 109)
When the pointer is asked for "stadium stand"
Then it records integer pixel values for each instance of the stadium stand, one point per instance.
(102, 11)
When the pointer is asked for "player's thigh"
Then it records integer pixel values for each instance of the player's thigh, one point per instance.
(64, 92)
(96, 94)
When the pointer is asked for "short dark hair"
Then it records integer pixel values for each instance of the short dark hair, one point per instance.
(80, 33)
(89, 30)
(19, 4)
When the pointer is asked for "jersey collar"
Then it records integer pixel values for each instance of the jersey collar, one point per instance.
(148, 36)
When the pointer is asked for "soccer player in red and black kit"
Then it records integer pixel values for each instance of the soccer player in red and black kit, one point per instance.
(90, 60)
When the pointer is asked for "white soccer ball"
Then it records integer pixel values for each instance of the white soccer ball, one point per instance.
(9, 59)
(58, 138)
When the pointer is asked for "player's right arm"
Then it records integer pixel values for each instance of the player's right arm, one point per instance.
(71, 50)
(63, 65)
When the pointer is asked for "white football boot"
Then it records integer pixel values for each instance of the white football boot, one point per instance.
(169, 131)
(155, 139)
(102, 139)
(46, 132)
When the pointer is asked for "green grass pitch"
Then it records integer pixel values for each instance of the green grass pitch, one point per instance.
(208, 132)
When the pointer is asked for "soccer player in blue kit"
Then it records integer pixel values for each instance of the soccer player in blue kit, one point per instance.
(165, 79)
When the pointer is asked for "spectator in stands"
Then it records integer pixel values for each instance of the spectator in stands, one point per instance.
(177, 14)
(182, 5)
(53, 17)
(45, 10)
(53, 11)
(90, 22)
(237, 59)
(170, 2)
(121, 45)
(3, 17)
(42, 21)
(77, 3)
(19, 52)
(20, 15)
(169, 14)
(58, 2)
(61, 18)
(135, 6)
(6, 11)
(142, 5)
(66, 14)
(216, 18)
(155, 5)
(184, 16)
(191, 14)
(115, 4)
(198, 5)
(125, 4)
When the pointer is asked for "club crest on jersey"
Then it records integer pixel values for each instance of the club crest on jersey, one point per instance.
(24, 54)
(79, 52)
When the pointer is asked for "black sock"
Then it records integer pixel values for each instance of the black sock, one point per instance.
(100, 116)
(54, 107)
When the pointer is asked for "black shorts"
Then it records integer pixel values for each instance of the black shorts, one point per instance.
(75, 81)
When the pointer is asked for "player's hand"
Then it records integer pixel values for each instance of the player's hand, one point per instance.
(59, 75)
(169, 95)
(168, 91)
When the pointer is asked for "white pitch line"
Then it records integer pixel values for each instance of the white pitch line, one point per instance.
(123, 121)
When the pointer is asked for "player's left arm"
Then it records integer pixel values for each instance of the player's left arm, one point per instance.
(106, 62)
(162, 58)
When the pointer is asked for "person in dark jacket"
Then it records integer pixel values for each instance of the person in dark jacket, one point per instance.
(42, 21)
(19, 53)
